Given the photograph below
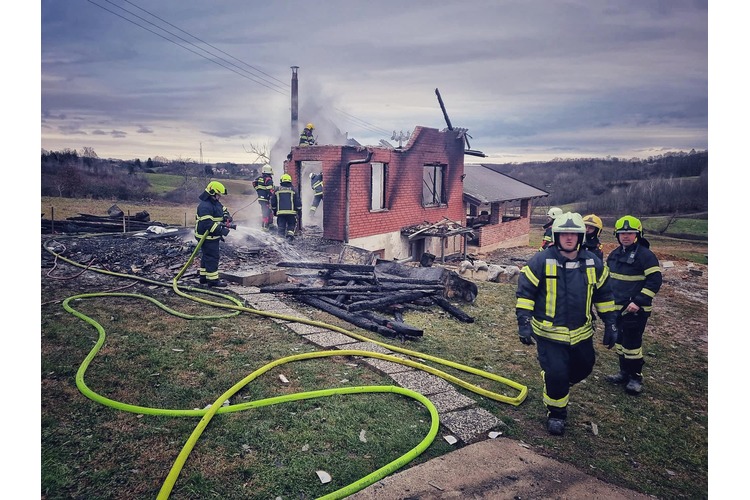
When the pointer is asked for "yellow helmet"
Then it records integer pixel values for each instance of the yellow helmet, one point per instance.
(286, 178)
(629, 224)
(593, 220)
(216, 187)
(310, 126)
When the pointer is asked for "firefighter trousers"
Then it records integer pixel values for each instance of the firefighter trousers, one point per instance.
(629, 345)
(562, 366)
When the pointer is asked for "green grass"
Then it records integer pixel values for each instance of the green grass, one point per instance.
(656, 443)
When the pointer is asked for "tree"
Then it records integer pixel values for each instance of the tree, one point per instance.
(88, 152)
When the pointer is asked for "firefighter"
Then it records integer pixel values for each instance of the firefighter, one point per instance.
(594, 228)
(555, 290)
(264, 188)
(316, 182)
(547, 238)
(306, 138)
(285, 203)
(636, 279)
(212, 217)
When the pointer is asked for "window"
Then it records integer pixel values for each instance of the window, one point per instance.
(378, 173)
(432, 185)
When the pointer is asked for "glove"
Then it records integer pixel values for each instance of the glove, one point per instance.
(224, 230)
(524, 331)
(610, 335)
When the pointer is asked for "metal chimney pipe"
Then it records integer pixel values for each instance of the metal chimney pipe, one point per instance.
(295, 101)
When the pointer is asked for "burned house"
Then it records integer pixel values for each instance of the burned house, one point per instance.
(403, 202)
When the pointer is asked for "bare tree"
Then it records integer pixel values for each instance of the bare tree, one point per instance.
(262, 155)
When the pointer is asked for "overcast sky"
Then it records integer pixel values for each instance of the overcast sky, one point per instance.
(528, 79)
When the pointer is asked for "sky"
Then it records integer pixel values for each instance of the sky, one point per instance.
(529, 80)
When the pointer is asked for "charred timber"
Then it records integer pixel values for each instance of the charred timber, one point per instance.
(351, 318)
(355, 268)
(453, 310)
(394, 298)
(347, 289)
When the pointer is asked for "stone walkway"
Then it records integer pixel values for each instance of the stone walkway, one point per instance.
(459, 415)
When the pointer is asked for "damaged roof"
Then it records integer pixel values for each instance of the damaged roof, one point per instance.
(484, 185)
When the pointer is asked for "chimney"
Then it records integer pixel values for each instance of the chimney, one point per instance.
(295, 128)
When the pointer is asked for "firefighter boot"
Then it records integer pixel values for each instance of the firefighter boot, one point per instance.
(618, 378)
(555, 426)
(216, 283)
(635, 385)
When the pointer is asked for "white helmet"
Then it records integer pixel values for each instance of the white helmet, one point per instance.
(312, 174)
(569, 222)
(267, 169)
(553, 212)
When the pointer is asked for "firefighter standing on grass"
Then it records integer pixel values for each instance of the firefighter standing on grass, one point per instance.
(636, 279)
(556, 289)
(594, 228)
(547, 237)
(264, 188)
(285, 203)
(212, 217)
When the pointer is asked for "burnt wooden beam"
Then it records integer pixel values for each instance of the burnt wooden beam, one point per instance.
(399, 326)
(394, 298)
(453, 310)
(355, 268)
(354, 319)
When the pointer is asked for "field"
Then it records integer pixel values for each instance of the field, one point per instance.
(656, 443)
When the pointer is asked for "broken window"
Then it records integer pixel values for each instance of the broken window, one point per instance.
(378, 173)
(432, 185)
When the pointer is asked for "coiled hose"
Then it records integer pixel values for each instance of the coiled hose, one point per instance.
(216, 408)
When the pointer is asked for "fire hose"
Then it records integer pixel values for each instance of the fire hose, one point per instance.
(216, 408)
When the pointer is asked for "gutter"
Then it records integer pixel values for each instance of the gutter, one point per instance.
(348, 167)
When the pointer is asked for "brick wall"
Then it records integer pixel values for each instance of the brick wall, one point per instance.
(403, 191)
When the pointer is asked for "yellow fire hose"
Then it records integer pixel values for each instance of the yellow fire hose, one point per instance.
(216, 408)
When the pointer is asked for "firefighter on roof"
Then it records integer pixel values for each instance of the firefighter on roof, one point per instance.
(306, 138)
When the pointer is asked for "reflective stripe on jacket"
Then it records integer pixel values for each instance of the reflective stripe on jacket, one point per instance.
(286, 200)
(264, 187)
(316, 181)
(636, 275)
(209, 216)
(557, 293)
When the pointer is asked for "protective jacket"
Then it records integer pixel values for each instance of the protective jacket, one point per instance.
(555, 295)
(547, 238)
(636, 276)
(316, 182)
(264, 187)
(306, 138)
(209, 216)
(286, 200)
(593, 245)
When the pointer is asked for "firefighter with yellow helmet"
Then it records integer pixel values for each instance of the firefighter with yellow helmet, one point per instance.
(555, 290)
(594, 228)
(213, 220)
(285, 204)
(636, 279)
(306, 138)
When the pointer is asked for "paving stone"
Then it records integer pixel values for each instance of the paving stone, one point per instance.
(471, 424)
(450, 400)
(421, 382)
(305, 329)
(330, 339)
(366, 346)
(388, 367)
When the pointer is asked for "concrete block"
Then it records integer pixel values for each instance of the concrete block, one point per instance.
(253, 278)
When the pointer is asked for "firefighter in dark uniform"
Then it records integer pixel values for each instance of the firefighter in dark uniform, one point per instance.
(264, 188)
(316, 182)
(636, 279)
(555, 291)
(285, 203)
(212, 217)
(594, 228)
(547, 237)
(306, 138)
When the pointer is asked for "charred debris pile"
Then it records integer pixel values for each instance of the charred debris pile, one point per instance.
(374, 297)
